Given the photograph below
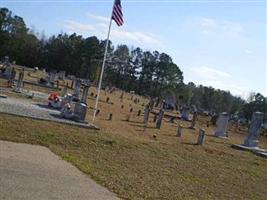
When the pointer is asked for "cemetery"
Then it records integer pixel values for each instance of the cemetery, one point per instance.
(134, 143)
(171, 106)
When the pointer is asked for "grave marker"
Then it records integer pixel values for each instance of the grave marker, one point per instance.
(222, 123)
(254, 130)
(179, 130)
(146, 114)
(185, 113)
(201, 136)
(77, 87)
(110, 116)
(194, 119)
(160, 118)
(85, 94)
(20, 81)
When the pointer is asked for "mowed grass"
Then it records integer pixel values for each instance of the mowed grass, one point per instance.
(152, 169)
(132, 163)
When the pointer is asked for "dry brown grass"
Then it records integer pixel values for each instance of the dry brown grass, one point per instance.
(135, 165)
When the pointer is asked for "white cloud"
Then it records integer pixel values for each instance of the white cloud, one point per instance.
(210, 73)
(218, 79)
(98, 17)
(99, 24)
(247, 51)
(208, 23)
(77, 27)
(228, 28)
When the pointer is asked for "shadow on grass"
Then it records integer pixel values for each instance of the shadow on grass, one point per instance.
(136, 122)
(190, 143)
(142, 126)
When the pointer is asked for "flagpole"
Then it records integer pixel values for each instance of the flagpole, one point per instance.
(103, 66)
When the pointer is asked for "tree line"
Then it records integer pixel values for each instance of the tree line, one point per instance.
(129, 68)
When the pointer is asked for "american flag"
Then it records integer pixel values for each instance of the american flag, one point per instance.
(117, 15)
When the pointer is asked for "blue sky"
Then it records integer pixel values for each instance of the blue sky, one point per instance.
(215, 43)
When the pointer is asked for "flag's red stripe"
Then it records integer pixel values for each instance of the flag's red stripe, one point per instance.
(117, 15)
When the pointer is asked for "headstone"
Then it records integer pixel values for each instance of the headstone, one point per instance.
(51, 79)
(201, 136)
(20, 81)
(73, 82)
(76, 90)
(254, 130)
(61, 75)
(8, 71)
(222, 123)
(80, 110)
(185, 113)
(12, 77)
(179, 130)
(66, 112)
(85, 94)
(129, 114)
(151, 103)
(110, 116)
(159, 119)
(157, 102)
(251, 142)
(146, 114)
(194, 119)
(64, 90)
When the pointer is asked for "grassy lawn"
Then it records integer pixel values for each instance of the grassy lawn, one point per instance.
(132, 163)
(146, 168)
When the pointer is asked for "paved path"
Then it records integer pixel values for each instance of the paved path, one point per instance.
(33, 172)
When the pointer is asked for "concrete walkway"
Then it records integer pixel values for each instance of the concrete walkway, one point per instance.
(34, 172)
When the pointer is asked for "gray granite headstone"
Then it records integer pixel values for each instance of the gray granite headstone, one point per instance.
(76, 90)
(19, 82)
(8, 71)
(51, 79)
(85, 94)
(73, 83)
(201, 135)
(254, 130)
(80, 110)
(185, 113)
(159, 118)
(222, 124)
(146, 114)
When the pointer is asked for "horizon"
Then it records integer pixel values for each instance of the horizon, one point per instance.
(217, 49)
